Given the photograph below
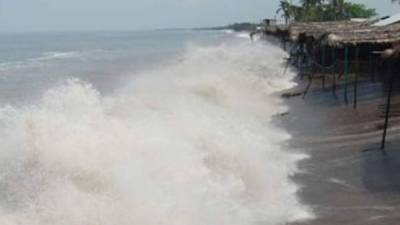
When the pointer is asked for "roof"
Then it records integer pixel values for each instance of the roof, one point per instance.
(366, 35)
(317, 29)
(388, 21)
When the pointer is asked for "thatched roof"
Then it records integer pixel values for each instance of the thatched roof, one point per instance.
(316, 30)
(276, 29)
(368, 35)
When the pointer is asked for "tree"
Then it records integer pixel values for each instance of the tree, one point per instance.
(320, 10)
(337, 8)
(353, 10)
(286, 8)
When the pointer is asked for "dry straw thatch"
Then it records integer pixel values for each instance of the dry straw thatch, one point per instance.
(316, 30)
(368, 35)
(339, 33)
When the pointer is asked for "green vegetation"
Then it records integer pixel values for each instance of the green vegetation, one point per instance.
(323, 10)
(246, 26)
(243, 26)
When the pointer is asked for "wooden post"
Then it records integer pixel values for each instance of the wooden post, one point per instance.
(388, 107)
(301, 61)
(346, 73)
(310, 79)
(323, 65)
(333, 71)
(356, 76)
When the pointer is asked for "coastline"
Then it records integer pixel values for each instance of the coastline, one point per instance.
(340, 182)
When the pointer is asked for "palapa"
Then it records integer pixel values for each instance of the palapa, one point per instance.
(368, 35)
(316, 30)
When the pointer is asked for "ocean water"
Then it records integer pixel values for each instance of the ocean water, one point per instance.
(149, 128)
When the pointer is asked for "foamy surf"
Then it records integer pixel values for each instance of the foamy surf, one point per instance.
(190, 143)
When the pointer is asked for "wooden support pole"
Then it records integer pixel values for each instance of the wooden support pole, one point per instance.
(333, 72)
(334, 86)
(310, 79)
(388, 107)
(356, 77)
(346, 74)
(323, 59)
(301, 61)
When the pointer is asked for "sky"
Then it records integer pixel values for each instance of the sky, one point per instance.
(63, 15)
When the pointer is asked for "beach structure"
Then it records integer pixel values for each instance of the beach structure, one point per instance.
(321, 59)
(347, 50)
(341, 48)
(361, 48)
(370, 44)
(315, 30)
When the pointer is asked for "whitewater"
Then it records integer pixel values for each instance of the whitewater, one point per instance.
(188, 142)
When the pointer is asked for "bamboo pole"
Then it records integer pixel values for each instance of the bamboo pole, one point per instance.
(346, 74)
(356, 77)
(323, 59)
(388, 108)
(333, 72)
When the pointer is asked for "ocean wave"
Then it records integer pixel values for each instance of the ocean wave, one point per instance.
(188, 144)
(54, 56)
(245, 35)
(60, 55)
(228, 31)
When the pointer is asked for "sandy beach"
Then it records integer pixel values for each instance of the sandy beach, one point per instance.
(341, 182)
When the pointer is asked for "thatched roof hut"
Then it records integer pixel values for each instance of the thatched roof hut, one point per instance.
(367, 35)
(316, 30)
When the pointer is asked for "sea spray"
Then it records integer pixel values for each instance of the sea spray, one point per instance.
(190, 143)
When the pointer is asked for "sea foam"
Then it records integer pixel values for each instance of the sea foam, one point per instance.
(190, 143)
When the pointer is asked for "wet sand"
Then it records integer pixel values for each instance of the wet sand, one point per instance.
(340, 182)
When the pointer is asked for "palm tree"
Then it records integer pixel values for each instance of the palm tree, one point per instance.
(311, 10)
(311, 3)
(338, 5)
(286, 8)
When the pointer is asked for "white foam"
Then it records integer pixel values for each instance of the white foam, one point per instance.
(61, 55)
(245, 35)
(188, 144)
(228, 31)
(51, 57)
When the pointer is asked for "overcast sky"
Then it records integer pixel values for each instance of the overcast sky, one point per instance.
(48, 15)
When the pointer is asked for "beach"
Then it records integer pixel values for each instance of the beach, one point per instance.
(346, 179)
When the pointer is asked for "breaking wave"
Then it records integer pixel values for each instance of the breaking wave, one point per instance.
(188, 144)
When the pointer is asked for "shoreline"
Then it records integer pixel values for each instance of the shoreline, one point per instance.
(340, 182)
